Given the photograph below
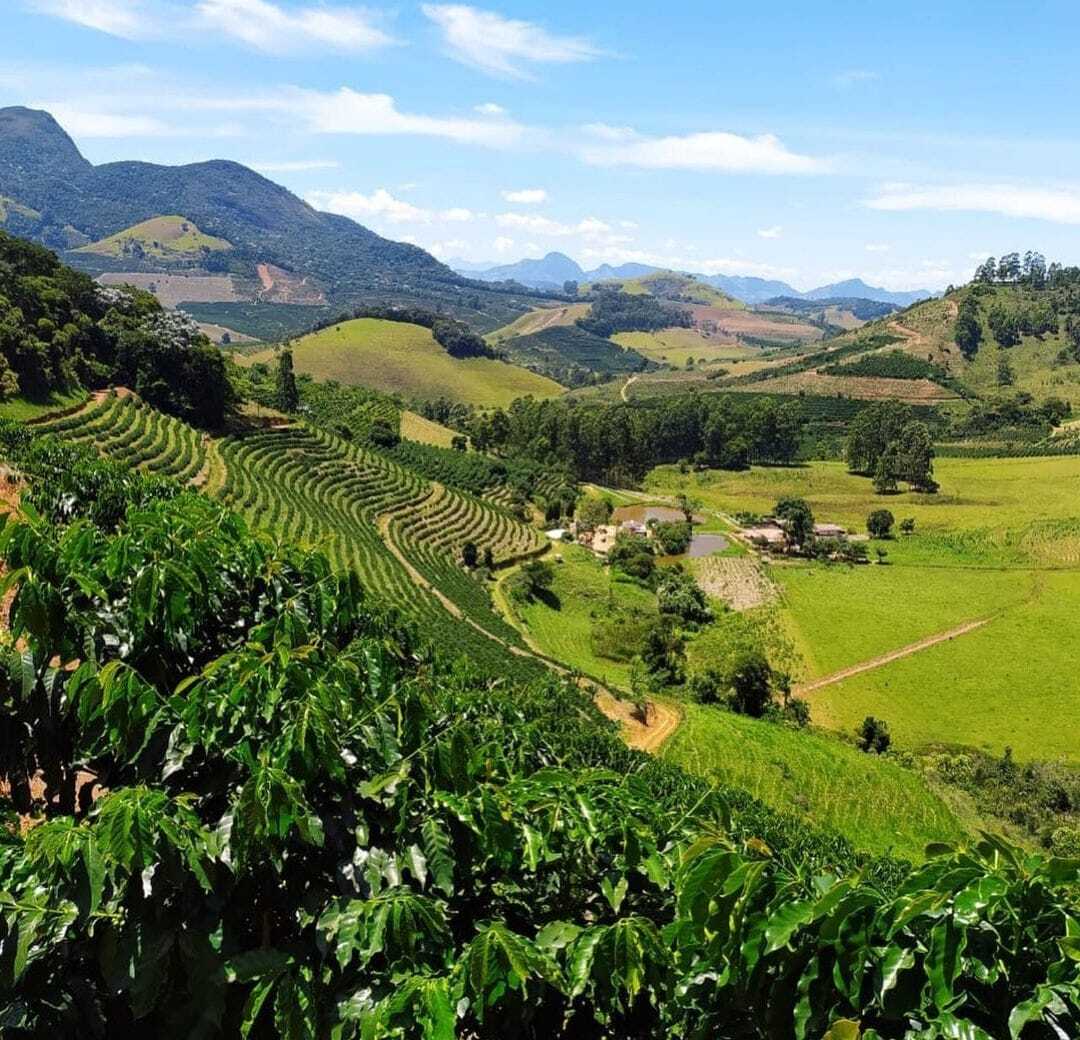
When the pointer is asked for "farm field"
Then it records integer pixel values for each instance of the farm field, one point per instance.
(996, 496)
(401, 533)
(865, 388)
(415, 427)
(1000, 542)
(174, 289)
(878, 804)
(1012, 683)
(841, 616)
(731, 322)
(538, 320)
(675, 345)
(397, 358)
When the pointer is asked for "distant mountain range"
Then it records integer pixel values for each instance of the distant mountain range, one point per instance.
(233, 221)
(552, 271)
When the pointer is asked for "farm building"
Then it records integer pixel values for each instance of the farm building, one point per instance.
(603, 539)
(768, 536)
(830, 531)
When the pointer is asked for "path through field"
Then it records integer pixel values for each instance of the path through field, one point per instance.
(624, 392)
(894, 655)
(661, 719)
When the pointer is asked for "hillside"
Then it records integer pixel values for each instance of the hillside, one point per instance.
(78, 203)
(404, 359)
(162, 238)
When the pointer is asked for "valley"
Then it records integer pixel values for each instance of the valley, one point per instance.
(530, 651)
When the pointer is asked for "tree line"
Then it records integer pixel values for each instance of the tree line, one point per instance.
(619, 443)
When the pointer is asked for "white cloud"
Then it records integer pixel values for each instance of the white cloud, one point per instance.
(1059, 205)
(347, 111)
(262, 24)
(526, 196)
(299, 166)
(771, 232)
(676, 262)
(589, 227)
(502, 46)
(86, 122)
(853, 77)
(502, 244)
(489, 108)
(271, 28)
(877, 247)
(124, 18)
(712, 150)
(382, 205)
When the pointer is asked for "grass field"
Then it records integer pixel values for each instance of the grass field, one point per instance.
(1012, 683)
(993, 495)
(582, 593)
(161, 237)
(863, 388)
(416, 428)
(1000, 541)
(540, 319)
(24, 409)
(404, 359)
(877, 804)
(673, 346)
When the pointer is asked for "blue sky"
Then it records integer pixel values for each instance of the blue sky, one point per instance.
(808, 142)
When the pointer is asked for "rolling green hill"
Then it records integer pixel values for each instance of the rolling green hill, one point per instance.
(398, 358)
(163, 238)
(569, 355)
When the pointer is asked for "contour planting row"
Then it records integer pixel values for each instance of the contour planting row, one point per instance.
(310, 487)
(125, 429)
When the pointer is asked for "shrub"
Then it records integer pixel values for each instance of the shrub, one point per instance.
(874, 735)
(880, 523)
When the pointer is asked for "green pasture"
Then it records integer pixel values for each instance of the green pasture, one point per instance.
(876, 803)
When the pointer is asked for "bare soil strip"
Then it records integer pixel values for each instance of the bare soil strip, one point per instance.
(895, 655)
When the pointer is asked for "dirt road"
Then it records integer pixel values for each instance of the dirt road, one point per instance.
(895, 655)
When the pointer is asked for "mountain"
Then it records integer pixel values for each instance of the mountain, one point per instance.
(605, 272)
(270, 237)
(858, 289)
(749, 289)
(550, 272)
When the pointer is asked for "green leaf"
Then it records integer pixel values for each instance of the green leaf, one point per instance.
(253, 1005)
(947, 943)
(843, 1029)
(440, 859)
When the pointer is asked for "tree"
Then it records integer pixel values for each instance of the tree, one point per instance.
(907, 525)
(880, 523)
(288, 396)
(967, 332)
(531, 581)
(633, 556)
(1004, 324)
(593, 512)
(459, 442)
(664, 652)
(750, 679)
(885, 473)
(1005, 374)
(874, 735)
(673, 537)
(570, 287)
(872, 430)
(688, 505)
(680, 596)
(915, 456)
(797, 519)
(469, 555)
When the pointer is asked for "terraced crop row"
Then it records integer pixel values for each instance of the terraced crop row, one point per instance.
(125, 429)
(313, 488)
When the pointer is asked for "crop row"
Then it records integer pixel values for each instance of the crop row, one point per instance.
(125, 429)
(311, 487)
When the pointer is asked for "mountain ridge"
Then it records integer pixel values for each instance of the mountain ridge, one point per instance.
(555, 268)
(42, 169)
